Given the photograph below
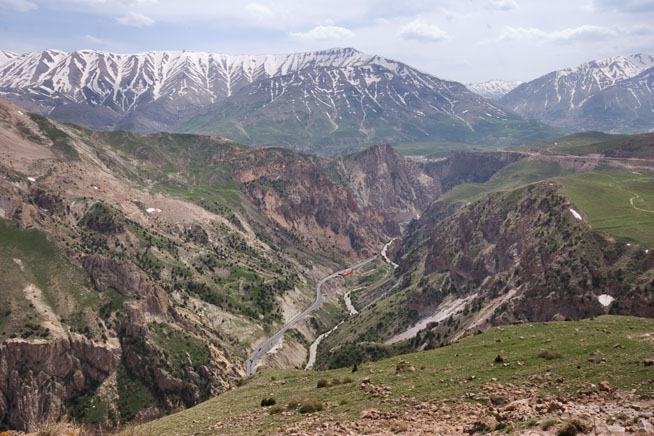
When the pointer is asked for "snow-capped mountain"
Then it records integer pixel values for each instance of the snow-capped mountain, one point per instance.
(493, 89)
(559, 97)
(627, 106)
(353, 96)
(6, 56)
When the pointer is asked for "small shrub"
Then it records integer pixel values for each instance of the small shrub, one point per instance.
(547, 423)
(531, 423)
(322, 383)
(311, 406)
(499, 359)
(292, 405)
(404, 366)
(572, 426)
(265, 402)
(343, 402)
(276, 410)
(52, 429)
(347, 380)
(355, 368)
(335, 382)
(500, 426)
(550, 355)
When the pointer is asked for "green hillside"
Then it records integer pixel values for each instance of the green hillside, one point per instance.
(574, 356)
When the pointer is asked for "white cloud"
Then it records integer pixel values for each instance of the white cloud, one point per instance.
(17, 5)
(502, 5)
(420, 31)
(93, 40)
(135, 19)
(259, 10)
(324, 33)
(581, 33)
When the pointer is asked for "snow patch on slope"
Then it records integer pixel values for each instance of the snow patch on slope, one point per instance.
(493, 89)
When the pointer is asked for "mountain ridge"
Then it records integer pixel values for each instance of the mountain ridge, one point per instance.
(359, 98)
(559, 97)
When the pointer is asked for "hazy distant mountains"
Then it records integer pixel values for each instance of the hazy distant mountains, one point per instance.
(493, 89)
(326, 99)
(339, 96)
(613, 94)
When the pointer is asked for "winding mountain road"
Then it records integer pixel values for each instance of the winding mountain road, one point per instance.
(268, 343)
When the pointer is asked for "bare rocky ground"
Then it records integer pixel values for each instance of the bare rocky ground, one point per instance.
(511, 410)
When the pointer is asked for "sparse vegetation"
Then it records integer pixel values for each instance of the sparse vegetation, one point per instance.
(265, 402)
(311, 406)
(547, 423)
(549, 355)
(447, 371)
(572, 427)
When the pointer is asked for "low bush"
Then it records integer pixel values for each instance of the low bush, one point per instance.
(322, 383)
(547, 423)
(550, 355)
(276, 410)
(572, 427)
(311, 406)
(265, 402)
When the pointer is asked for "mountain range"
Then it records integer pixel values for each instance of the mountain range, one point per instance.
(337, 96)
(607, 95)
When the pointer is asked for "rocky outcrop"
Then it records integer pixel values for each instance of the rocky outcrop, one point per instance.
(513, 249)
(39, 378)
(382, 178)
(296, 195)
(130, 281)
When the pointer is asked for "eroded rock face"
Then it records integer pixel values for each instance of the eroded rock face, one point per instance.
(130, 281)
(296, 195)
(380, 177)
(38, 378)
(514, 249)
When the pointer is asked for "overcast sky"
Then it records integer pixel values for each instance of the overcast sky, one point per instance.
(463, 40)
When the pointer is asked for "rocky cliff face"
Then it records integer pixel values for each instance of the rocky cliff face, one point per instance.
(39, 378)
(520, 256)
(381, 178)
(294, 193)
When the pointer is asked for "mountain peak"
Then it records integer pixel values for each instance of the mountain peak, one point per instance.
(562, 97)
(493, 89)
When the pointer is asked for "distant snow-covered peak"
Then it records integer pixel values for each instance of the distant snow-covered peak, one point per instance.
(493, 89)
(6, 56)
(606, 72)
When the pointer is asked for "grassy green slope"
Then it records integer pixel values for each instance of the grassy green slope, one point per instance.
(616, 201)
(584, 143)
(512, 176)
(27, 257)
(442, 374)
